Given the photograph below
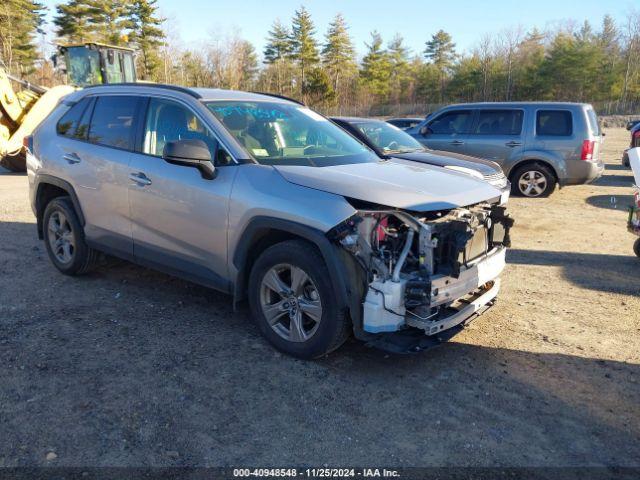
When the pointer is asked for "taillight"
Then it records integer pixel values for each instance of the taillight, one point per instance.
(636, 134)
(587, 149)
(27, 143)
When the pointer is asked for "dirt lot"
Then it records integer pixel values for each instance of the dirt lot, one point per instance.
(129, 367)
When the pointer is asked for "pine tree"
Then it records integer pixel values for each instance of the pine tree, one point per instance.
(277, 54)
(278, 45)
(20, 20)
(376, 68)
(441, 51)
(400, 71)
(108, 18)
(338, 53)
(73, 20)
(304, 46)
(146, 35)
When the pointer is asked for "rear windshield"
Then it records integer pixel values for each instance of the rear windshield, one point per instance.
(593, 121)
(286, 134)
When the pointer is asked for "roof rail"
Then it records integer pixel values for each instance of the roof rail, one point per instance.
(275, 95)
(176, 88)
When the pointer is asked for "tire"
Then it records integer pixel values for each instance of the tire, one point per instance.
(533, 180)
(62, 227)
(14, 163)
(315, 337)
(636, 247)
(625, 160)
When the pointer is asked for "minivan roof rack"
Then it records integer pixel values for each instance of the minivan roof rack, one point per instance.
(176, 88)
(283, 97)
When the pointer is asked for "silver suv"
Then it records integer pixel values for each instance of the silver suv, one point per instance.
(260, 197)
(537, 144)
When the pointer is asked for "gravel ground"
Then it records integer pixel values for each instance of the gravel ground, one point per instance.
(129, 367)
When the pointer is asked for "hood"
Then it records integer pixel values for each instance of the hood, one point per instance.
(443, 159)
(419, 188)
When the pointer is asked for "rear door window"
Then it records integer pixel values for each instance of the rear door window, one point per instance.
(68, 124)
(113, 121)
(453, 122)
(555, 123)
(499, 122)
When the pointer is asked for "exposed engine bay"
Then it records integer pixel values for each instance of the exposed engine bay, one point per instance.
(429, 271)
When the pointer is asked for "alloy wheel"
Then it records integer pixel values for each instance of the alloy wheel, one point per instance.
(290, 302)
(61, 238)
(532, 183)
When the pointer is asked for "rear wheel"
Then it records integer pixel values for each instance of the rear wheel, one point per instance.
(292, 301)
(625, 160)
(533, 180)
(64, 238)
(636, 247)
(14, 163)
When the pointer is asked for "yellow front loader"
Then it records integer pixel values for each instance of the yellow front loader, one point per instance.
(22, 110)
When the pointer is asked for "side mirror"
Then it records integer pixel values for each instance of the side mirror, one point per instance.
(190, 153)
(424, 131)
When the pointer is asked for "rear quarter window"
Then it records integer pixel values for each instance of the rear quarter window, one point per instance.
(593, 121)
(70, 123)
(554, 123)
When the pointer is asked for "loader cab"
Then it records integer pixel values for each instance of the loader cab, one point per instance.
(96, 64)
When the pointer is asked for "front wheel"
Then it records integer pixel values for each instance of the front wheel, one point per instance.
(533, 180)
(636, 247)
(292, 300)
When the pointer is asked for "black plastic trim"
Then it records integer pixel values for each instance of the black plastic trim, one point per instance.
(44, 179)
(283, 97)
(260, 226)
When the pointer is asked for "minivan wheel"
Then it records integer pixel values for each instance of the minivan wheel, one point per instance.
(291, 299)
(533, 180)
(64, 238)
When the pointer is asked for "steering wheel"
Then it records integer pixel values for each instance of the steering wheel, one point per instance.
(392, 146)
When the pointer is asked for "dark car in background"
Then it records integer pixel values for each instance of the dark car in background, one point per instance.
(537, 144)
(405, 123)
(389, 141)
(635, 142)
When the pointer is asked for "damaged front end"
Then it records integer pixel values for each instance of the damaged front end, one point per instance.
(423, 276)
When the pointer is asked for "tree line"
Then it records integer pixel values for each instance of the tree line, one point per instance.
(568, 63)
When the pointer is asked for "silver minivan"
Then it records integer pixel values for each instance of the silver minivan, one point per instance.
(537, 144)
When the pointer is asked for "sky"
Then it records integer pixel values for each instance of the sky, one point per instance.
(195, 21)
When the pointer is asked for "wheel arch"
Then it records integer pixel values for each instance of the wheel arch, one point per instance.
(263, 232)
(47, 188)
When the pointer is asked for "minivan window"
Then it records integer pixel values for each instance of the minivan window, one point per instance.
(68, 124)
(593, 121)
(169, 121)
(499, 122)
(113, 121)
(277, 133)
(449, 123)
(556, 123)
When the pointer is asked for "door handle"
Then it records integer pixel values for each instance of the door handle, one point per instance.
(513, 143)
(72, 158)
(457, 142)
(140, 179)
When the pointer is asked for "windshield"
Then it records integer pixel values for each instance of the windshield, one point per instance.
(285, 134)
(388, 138)
(83, 66)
